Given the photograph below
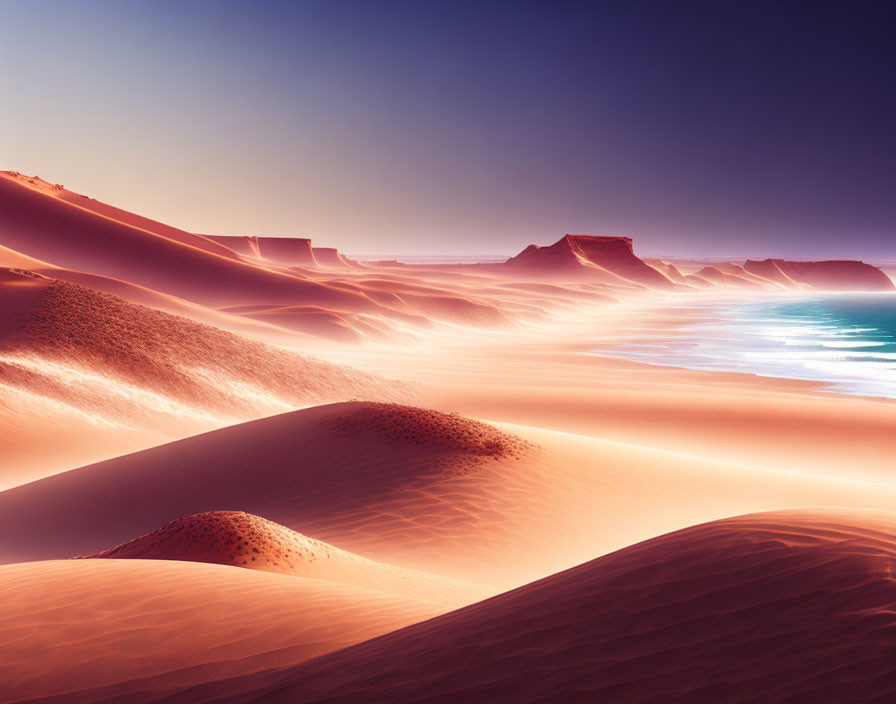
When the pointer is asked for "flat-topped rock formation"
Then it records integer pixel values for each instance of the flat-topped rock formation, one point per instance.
(332, 257)
(834, 275)
(289, 251)
(608, 259)
(783, 274)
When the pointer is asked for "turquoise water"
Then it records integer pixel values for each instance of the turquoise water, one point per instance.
(847, 341)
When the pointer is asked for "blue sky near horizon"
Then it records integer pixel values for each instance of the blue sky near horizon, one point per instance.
(695, 127)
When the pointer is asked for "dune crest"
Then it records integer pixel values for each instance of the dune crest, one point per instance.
(112, 213)
(465, 441)
(42, 226)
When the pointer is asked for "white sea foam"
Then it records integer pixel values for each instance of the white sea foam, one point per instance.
(820, 339)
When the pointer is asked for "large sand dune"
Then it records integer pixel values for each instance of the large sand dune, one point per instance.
(70, 236)
(139, 375)
(793, 606)
(110, 212)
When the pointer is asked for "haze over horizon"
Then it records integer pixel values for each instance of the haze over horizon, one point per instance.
(749, 129)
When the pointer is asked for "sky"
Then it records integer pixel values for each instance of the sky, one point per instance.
(717, 128)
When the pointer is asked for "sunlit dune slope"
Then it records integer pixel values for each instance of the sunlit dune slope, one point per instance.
(14, 260)
(84, 624)
(794, 606)
(243, 540)
(128, 368)
(160, 301)
(110, 212)
(53, 230)
(413, 488)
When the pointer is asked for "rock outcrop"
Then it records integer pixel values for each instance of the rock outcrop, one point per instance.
(577, 257)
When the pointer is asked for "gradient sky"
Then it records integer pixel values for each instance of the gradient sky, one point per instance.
(698, 128)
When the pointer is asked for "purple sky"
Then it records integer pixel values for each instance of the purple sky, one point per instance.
(697, 128)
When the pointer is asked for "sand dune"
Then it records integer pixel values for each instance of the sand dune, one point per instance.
(10, 259)
(73, 324)
(332, 325)
(728, 276)
(84, 624)
(670, 271)
(242, 540)
(416, 489)
(140, 371)
(160, 301)
(53, 230)
(793, 606)
(220, 318)
(112, 213)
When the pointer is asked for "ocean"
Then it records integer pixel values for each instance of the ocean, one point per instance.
(845, 340)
